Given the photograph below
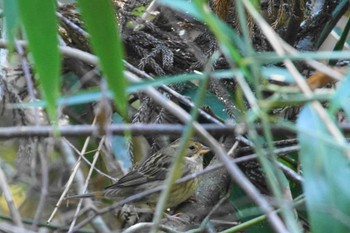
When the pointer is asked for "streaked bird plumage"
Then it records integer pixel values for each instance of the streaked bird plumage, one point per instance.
(152, 172)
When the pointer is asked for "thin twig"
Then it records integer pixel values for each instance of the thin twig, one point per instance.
(9, 228)
(28, 78)
(290, 172)
(16, 217)
(96, 156)
(72, 25)
(97, 223)
(142, 226)
(120, 129)
(88, 162)
(172, 92)
(138, 129)
(44, 182)
(70, 180)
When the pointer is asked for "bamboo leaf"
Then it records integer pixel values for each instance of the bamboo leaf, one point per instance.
(100, 21)
(11, 21)
(40, 24)
(326, 172)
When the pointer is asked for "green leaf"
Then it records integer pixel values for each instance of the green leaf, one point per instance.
(341, 97)
(100, 21)
(326, 176)
(11, 21)
(40, 24)
(216, 106)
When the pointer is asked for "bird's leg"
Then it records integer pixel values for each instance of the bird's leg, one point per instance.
(176, 218)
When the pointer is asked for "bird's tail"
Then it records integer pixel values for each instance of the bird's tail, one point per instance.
(86, 195)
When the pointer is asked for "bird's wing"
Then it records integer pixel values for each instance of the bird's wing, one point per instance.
(143, 175)
(133, 178)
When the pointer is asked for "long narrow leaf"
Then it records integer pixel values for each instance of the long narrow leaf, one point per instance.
(326, 171)
(11, 21)
(100, 21)
(40, 24)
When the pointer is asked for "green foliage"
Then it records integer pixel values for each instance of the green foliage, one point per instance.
(326, 171)
(11, 21)
(340, 99)
(101, 23)
(43, 45)
(324, 154)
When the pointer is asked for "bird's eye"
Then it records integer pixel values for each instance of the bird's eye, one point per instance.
(192, 147)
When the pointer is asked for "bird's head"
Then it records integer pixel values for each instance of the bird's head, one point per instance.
(193, 150)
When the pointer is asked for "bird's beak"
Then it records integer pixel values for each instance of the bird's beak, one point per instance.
(204, 150)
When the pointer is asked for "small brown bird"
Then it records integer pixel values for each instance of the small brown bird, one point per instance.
(152, 172)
